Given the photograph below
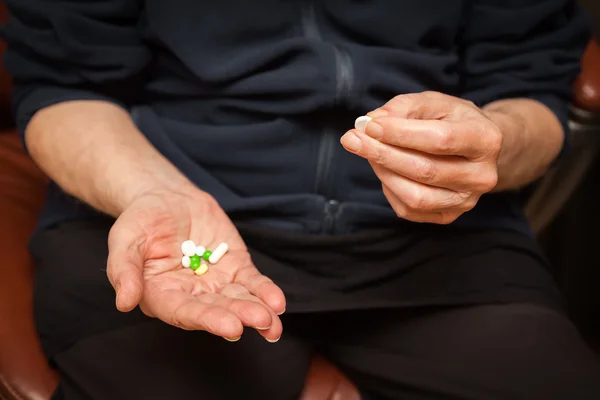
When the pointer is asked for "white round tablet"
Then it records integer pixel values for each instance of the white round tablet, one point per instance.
(186, 261)
(361, 123)
(188, 248)
(200, 250)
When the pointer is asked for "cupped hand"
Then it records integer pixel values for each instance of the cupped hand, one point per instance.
(144, 267)
(434, 154)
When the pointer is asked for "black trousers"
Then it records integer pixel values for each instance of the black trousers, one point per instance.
(518, 350)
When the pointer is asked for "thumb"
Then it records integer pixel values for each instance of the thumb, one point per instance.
(124, 270)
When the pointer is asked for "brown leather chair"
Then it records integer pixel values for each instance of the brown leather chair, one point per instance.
(546, 202)
(587, 87)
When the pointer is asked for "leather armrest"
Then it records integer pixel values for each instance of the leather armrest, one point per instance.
(587, 85)
(24, 371)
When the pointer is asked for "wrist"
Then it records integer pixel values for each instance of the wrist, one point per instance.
(149, 185)
(532, 139)
(513, 128)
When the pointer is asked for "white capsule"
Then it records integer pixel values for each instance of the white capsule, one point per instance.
(186, 261)
(218, 253)
(202, 270)
(361, 123)
(200, 250)
(188, 248)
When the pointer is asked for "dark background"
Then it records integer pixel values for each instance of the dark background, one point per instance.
(593, 8)
(572, 242)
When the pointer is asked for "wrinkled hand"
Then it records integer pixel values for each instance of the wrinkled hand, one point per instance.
(434, 154)
(144, 267)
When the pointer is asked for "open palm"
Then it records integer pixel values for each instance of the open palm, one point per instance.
(144, 266)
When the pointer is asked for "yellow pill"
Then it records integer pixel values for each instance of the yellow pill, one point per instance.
(202, 269)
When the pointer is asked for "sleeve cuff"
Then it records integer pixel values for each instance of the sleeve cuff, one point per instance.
(29, 100)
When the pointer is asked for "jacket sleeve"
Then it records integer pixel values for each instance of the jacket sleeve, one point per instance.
(523, 48)
(65, 50)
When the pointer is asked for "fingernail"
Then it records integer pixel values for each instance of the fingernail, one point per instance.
(374, 130)
(351, 142)
(233, 339)
(273, 341)
(379, 112)
(361, 123)
(281, 312)
(261, 329)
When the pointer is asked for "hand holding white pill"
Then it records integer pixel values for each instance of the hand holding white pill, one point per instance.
(434, 154)
(145, 267)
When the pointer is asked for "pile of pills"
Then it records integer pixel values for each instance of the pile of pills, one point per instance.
(198, 257)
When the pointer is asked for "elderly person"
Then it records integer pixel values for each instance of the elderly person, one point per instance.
(401, 255)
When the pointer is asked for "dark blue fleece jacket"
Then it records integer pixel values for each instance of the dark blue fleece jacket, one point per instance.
(249, 98)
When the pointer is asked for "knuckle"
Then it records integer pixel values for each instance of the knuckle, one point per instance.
(176, 318)
(459, 200)
(430, 94)
(492, 139)
(448, 218)
(488, 181)
(447, 141)
(110, 273)
(209, 204)
(381, 155)
(415, 200)
(469, 203)
(426, 171)
(470, 104)
(407, 215)
(400, 99)
(400, 210)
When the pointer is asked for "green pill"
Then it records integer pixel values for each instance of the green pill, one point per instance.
(206, 254)
(195, 262)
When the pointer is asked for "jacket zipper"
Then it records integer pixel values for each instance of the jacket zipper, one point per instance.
(329, 139)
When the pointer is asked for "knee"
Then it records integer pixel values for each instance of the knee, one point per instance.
(534, 352)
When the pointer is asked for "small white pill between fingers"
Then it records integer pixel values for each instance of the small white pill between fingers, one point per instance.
(361, 123)
(200, 250)
(188, 248)
(186, 261)
(218, 253)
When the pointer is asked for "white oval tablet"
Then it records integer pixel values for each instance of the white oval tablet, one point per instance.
(218, 253)
(186, 261)
(361, 123)
(188, 248)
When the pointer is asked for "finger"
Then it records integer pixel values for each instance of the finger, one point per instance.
(182, 310)
(405, 212)
(272, 330)
(473, 140)
(423, 198)
(273, 334)
(452, 172)
(124, 268)
(251, 313)
(425, 105)
(263, 288)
